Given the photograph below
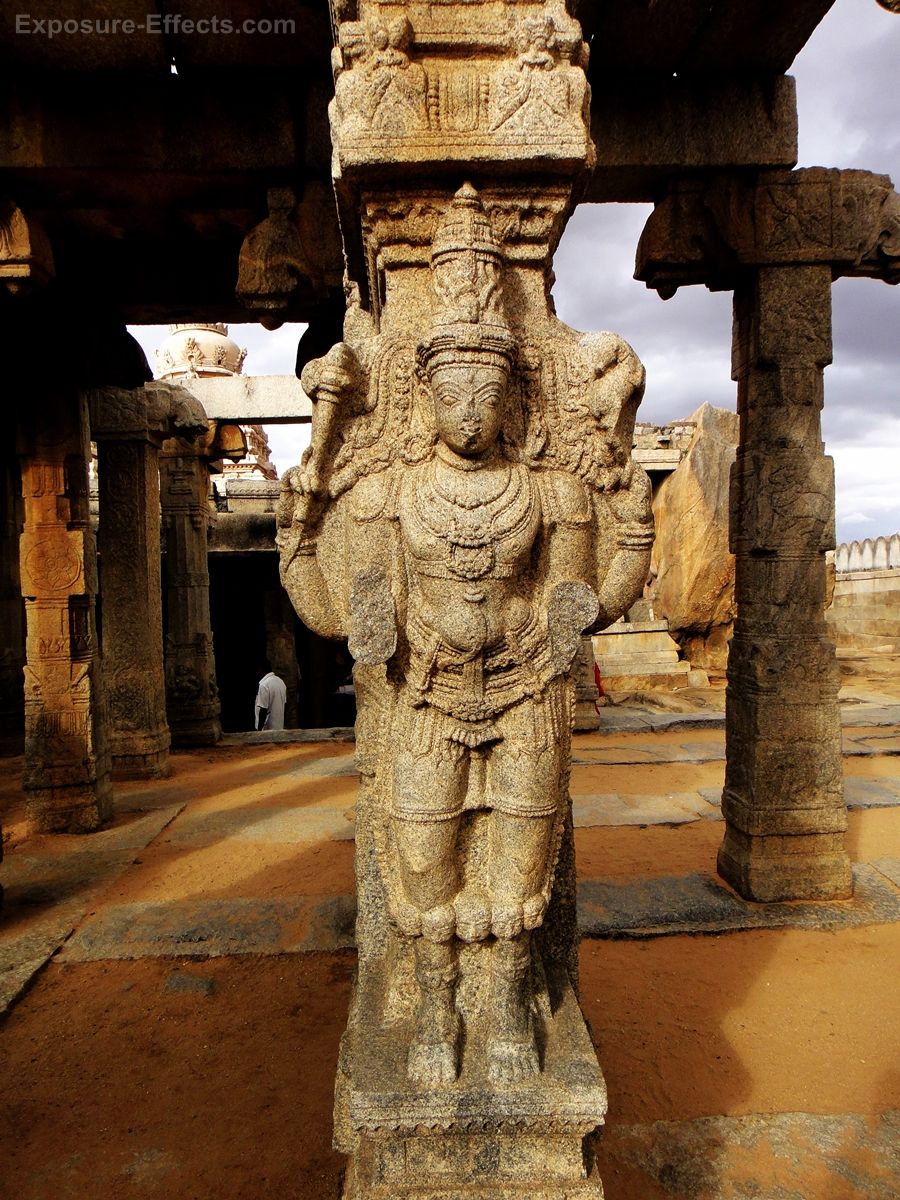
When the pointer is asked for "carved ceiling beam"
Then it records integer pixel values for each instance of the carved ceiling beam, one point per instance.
(711, 232)
(26, 259)
(295, 246)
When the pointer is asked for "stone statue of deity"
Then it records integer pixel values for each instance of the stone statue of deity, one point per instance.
(468, 508)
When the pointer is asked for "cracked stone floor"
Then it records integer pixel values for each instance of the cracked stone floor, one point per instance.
(174, 987)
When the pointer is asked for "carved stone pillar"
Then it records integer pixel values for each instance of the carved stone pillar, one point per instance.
(12, 612)
(779, 240)
(586, 691)
(128, 475)
(192, 698)
(468, 509)
(66, 776)
(783, 799)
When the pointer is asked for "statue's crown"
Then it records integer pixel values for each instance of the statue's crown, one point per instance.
(466, 266)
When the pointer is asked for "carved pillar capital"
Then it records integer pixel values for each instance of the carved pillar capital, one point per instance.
(710, 232)
(151, 413)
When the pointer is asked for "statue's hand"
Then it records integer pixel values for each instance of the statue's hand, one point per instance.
(332, 378)
(573, 608)
(299, 502)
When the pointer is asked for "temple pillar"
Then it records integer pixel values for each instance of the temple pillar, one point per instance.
(192, 698)
(66, 777)
(587, 693)
(128, 475)
(779, 240)
(12, 612)
(783, 800)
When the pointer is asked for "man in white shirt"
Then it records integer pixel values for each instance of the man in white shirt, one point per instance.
(270, 698)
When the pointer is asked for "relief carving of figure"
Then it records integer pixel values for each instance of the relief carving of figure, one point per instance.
(462, 527)
(381, 86)
(531, 93)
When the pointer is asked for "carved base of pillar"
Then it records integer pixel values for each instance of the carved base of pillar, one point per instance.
(153, 765)
(204, 731)
(781, 867)
(473, 1139)
(80, 808)
(140, 755)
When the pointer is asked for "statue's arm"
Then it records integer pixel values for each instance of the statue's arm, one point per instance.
(622, 550)
(298, 519)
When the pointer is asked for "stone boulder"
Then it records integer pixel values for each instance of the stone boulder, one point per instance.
(694, 571)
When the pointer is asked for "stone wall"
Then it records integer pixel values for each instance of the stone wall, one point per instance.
(865, 612)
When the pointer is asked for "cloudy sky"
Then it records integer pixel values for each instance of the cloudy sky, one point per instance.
(848, 83)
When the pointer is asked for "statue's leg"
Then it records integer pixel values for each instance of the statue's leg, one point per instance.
(429, 791)
(523, 786)
(433, 1052)
(512, 1053)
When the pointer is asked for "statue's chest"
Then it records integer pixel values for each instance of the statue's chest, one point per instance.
(470, 525)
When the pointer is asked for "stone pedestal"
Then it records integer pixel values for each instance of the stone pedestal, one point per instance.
(474, 1139)
(192, 698)
(783, 799)
(128, 473)
(641, 656)
(66, 776)
(12, 611)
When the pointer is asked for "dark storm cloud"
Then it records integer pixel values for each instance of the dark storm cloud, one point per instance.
(847, 81)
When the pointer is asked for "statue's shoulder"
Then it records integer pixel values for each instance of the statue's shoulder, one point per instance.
(374, 496)
(564, 498)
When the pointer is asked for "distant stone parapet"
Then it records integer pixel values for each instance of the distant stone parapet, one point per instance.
(880, 554)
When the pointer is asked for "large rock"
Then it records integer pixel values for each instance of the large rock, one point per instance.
(694, 584)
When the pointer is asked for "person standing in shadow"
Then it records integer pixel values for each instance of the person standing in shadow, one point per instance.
(270, 699)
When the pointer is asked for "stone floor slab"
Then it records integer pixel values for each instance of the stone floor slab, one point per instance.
(889, 867)
(871, 793)
(214, 929)
(870, 715)
(335, 766)
(253, 737)
(290, 825)
(697, 904)
(775, 1156)
(160, 796)
(614, 808)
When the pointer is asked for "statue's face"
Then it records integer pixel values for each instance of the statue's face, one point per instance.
(468, 405)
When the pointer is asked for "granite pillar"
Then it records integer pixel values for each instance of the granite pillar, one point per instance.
(12, 611)
(192, 698)
(783, 799)
(587, 717)
(66, 777)
(128, 475)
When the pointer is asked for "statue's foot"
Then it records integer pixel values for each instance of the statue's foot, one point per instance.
(512, 1061)
(432, 1064)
